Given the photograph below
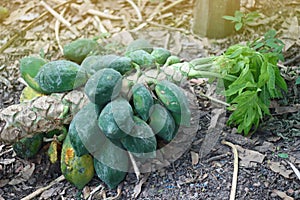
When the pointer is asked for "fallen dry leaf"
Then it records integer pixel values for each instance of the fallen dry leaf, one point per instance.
(48, 193)
(3, 182)
(249, 158)
(282, 195)
(195, 158)
(213, 132)
(266, 146)
(7, 161)
(295, 169)
(279, 168)
(24, 175)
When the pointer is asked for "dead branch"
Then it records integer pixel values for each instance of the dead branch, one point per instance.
(40, 190)
(235, 168)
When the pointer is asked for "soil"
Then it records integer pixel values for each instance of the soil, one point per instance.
(196, 174)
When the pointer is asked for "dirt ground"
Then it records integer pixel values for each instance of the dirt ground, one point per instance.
(266, 158)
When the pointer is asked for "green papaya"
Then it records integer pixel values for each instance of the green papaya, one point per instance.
(116, 118)
(142, 100)
(92, 64)
(77, 170)
(85, 135)
(60, 76)
(141, 141)
(28, 147)
(142, 58)
(79, 49)
(161, 55)
(104, 86)
(139, 44)
(29, 68)
(111, 164)
(121, 64)
(162, 123)
(172, 60)
(174, 100)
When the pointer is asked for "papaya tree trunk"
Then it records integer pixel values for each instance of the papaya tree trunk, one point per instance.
(42, 114)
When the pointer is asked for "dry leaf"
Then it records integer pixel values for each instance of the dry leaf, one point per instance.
(295, 169)
(7, 161)
(195, 158)
(213, 132)
(248, 157)
(3, 182)
(28, 17)
(266, 146)
(279, 168)
(48, 193)
(282, 195)
(24, 175)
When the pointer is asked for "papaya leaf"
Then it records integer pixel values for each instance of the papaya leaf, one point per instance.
(248, 110)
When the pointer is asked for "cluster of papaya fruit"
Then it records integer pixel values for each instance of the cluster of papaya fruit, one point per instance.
(113, 124)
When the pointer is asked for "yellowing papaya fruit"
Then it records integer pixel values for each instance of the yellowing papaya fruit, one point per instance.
(77, 170)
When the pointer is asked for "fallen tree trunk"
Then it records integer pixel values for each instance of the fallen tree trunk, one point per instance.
(46, 113)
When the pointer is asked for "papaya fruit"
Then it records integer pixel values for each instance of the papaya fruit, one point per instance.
(111, 164)
(78, 170)
(60, 76)
(142, 100)
(121, 64)
(142, 58)
(116, 118)
(162, 123)
(79, 49)
(174, 100)
(161, 55)
(141, 141)
(29, 68)
(92, 64)
(103, 86)
(139, 44)
(28, 147)
(84, 133)
(172, 60)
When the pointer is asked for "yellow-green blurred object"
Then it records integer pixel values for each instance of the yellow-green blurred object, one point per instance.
(52, 151)
(3, 13)
(77, 170)
(28, 94)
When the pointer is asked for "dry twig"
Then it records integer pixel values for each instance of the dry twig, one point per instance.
(60, 18)
(171, 5)
(235, 168)
(40, 190)
(30, 25)
(135, 167)
(57, 25)
(137, 10)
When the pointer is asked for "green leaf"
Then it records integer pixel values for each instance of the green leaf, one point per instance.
(239, 15)
(247, 111)
(238, 26)
(280, 82)
(283, 155)
(298, 81)
(271, 81)
(230, 18)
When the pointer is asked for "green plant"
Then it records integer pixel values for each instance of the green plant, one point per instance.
(298, 81)
(242, 19)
